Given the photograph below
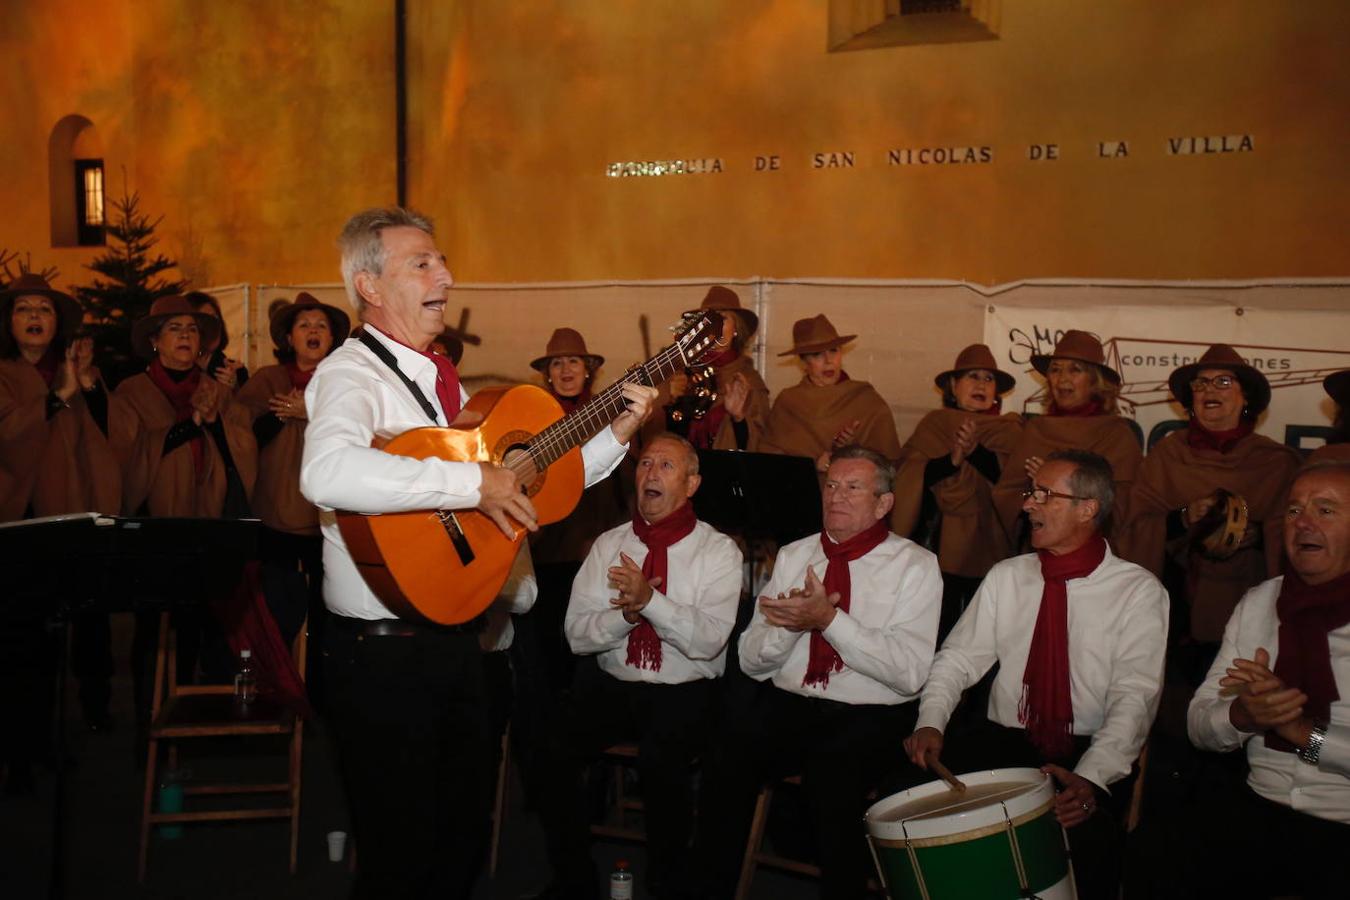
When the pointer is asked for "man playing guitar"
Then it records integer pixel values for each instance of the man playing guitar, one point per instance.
(407, 703)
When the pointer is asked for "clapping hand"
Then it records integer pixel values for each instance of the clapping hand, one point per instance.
(808, 608)
(635, 591)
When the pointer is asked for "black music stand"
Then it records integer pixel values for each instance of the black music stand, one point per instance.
(60, 565)
(759, 495)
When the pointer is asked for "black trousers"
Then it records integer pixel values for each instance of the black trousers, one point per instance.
(1097, 846)
(842, 752)
(1240, 846)
(409, 720)
(669, 724)
(543, 665)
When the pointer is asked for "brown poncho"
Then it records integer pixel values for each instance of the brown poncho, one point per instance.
(971, 539)
(1175, 474)
(169, 485)
(805, 418)
(1329, 452)
(1107, 436)
(276, 498)
(59, 465)
(756, 408)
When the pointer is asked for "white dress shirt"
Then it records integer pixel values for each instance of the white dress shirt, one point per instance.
(885, 639)
(517, 596)
(1117, 640)
(352, 398)
(693, 614)
(1322, 790)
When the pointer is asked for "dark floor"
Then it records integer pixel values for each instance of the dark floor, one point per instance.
(216, 861)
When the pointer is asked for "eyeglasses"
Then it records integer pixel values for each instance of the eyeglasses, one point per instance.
(1218, 382)
(1042, 495)
(852, 489)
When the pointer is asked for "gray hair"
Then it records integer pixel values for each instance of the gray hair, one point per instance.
(885, 468)
(363, 249)
(1092, 479)
(690, 453)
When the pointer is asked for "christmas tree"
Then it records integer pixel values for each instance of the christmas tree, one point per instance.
(131, 282)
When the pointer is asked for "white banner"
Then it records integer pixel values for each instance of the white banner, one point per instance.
(1294, 348)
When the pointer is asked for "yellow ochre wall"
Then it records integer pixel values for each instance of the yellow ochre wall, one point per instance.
(255, 127)
(518, 111)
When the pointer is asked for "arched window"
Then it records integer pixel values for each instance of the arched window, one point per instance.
(75, 183)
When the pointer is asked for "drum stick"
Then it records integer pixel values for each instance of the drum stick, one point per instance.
(945, 774)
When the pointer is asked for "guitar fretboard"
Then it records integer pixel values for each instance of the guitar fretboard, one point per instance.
(549, 445)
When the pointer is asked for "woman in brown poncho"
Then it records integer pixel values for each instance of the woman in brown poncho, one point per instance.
(1080, 414)
(1337, 386)
(827, 409)
(946, 475)
(540, 656)
(736, 419)
(1169, 515)
(303, 333)
(54, 459)
(187, 451)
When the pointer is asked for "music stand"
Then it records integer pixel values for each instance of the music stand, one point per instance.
(759, 495)
(60, 565)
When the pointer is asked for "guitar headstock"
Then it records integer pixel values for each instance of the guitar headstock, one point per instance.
(703, 333)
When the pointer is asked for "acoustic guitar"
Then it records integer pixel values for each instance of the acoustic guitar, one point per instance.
(447, 566)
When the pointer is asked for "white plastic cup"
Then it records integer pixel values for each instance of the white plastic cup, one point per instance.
(337, 846)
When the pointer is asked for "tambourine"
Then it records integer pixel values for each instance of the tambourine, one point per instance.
(1219, 534)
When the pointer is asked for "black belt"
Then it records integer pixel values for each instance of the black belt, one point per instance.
(364, 628)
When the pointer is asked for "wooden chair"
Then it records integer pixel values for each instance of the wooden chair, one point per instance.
(756, 855)
(180, 712)
(499, 801)
(620, 758)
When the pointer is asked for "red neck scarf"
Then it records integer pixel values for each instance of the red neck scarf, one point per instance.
(1307, 614)
(572, 404)
(1091, 408)
(644, 644)
(1198, 437)
(299, 377)
(48, 364)
(824, 658)
(447, 379)
(1046, 706)
(179, 394)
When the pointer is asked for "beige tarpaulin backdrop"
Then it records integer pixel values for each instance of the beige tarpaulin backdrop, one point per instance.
(907, 331)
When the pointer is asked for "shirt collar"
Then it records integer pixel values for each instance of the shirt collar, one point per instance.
(412, 363)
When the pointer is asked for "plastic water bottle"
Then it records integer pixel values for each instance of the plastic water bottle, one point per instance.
(245, 683)
(621, 882)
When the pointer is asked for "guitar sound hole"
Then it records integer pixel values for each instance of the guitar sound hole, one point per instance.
(517, 458)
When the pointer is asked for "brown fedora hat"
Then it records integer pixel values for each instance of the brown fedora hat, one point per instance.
(725, 298)
(1255, 387)
(283, 320)
(1337, 386)
(163, 308)
(1080, 346)
(567, 342)
(977, 356)
(815, 335)
(69, 312)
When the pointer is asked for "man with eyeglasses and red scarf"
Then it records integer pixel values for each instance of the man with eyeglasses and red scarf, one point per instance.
(842, 636)
(1281, 687)
(1079, 635)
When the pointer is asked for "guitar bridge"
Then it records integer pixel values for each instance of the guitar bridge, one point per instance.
(457, 537)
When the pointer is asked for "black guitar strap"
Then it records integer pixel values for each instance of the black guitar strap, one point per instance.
(383, 354)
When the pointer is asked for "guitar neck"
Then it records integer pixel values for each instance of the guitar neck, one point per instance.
(549, 445)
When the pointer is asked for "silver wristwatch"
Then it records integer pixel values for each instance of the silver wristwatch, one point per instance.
(1312, 751)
